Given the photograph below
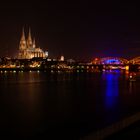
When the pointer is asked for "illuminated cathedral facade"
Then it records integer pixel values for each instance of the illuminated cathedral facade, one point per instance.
(28, 49)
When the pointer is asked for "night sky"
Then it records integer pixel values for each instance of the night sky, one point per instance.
(81, 30)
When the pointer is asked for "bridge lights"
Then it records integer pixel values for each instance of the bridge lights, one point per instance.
(127, 68)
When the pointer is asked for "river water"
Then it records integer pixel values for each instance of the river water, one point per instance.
(64, 105)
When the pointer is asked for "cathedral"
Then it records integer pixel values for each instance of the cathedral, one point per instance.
(28, 49)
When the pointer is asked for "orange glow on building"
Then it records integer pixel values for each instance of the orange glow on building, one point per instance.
(28, 49)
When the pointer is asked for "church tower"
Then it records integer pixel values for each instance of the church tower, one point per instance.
(28, 49)
(22, 45)
(29, 40)
(34, 45)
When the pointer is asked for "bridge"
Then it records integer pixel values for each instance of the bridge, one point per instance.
(135, 60)
(116, 61)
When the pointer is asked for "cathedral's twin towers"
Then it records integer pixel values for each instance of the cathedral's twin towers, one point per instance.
(28, 49)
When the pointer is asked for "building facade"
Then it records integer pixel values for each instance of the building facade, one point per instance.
(28, 49)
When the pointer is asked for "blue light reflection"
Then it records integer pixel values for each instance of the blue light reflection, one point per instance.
(112, 89)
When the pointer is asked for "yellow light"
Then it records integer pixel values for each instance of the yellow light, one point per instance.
(14, 71)
(127, 68)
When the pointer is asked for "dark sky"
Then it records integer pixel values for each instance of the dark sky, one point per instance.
(80, 30)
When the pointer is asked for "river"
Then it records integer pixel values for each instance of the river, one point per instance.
(64, 105)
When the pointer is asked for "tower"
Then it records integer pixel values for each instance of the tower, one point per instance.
(28, 49)
(29, 40)
(22, 44)
(34, 45)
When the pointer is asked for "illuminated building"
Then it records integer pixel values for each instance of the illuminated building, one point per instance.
(62, 58)
(28, 49)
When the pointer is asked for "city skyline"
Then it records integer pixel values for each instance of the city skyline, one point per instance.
(69, 70)
(80, 30)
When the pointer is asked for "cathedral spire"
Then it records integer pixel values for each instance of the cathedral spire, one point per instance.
(23, 35)
(29, 40)
(34, 45)
(22, 44)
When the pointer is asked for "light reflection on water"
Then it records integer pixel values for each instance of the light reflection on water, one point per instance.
(42, 101)
(112, 88)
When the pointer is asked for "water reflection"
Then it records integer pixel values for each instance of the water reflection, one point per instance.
(112, 88)
(64, 102)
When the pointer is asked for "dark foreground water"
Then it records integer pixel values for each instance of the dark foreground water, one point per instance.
(64, 105)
